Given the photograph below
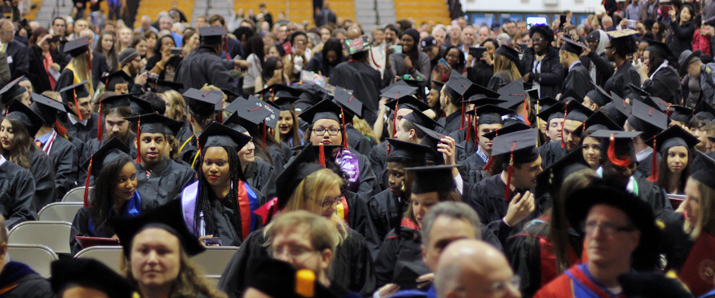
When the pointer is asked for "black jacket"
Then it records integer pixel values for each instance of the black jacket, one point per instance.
(204, 66)
(99, 67)
(17, 187)
(41, 82)
(28, 283)
(665, 84)
(604, 69)
(680, 36)
(20, 57)
(551, 76)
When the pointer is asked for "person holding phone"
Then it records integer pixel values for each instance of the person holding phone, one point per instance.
(453, 60)
(164, 63)
(541, 62)
(411, 61)
(46, 62)
(483, 70)
(295, 62)
(271, 74)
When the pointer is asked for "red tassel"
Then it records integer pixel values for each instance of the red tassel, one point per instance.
(469, 126)
(89, 59)
(510, 171)
(264, 132)
(373, 60)
(345, 135)
(488, 167)
(654, 167)
(563, 142)
(76, 105)
(525, 115)
(321, 153)
(462, 125)
(60, 129)
(100, 131)
(220, 116)
(225, 48)
(139, 154)
(394, 122)
(86, 183)
(623, 163)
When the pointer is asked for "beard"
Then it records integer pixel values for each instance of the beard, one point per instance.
(124, 137)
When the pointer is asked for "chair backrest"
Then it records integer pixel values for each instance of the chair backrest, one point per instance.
(75, 195)
(108, 255)
(38, 257)
(53, 234)
(61, 211)
(214, 260)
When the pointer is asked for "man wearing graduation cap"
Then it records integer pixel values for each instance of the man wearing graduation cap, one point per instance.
(80, 122)
(596, 98)
(621, 45)
(516, 99)
(205, 65)
(691, 64)
(159, 179)
(577, 78)
(575, 115)
(64, 154)
(18, 279)
(504, 199)
(118, 82)
(554, 118)
(450, 99)
(202, 112)
(489, 120)
(650, 122)
(356, 74)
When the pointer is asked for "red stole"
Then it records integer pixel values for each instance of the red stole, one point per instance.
(697, 272)
(244, 206)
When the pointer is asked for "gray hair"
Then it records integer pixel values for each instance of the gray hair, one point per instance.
(455, 210)
(438, 29)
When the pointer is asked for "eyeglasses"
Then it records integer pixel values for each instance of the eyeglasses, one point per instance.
(503, 286)
(606, 228)
(537, 39)
(330, 202)
(294, 252)
(331, 131)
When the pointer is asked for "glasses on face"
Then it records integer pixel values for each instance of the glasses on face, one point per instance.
(331, 131)
(537, 39)
(503, 286)
(293, 251)
(330, 202)
(608, 229)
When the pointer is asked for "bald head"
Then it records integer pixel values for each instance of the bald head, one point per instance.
(476, 269)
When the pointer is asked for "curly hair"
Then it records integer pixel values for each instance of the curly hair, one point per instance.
(103, 200)
(624, 46)
(544, 30)
(177, 106)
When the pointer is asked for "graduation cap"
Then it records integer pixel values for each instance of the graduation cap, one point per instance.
(212, 35)
(155, 123)
(680, 114)
(599, 96)
(77, 47)
(140, 106)
(247, 114)
(351, 105)
(417, 117)
(8, 91)
(554, 111)
(219, 135)
(618, 109)
(518, 147)
(398, 89)
(509, 53)
(432, 179)
(202, 103)
(671, 137)
(404, 102)
(533, 94)
(283, 103)
(304, 164)
(489, 114)
(551, 179)
(577, 112)
(281, 90)
(275, 278)
(661, 48)
(647, 119)
(309, 77)
(572, 46)
(406, 152)
(326, 109)
(272, 119)
(168, 217)
(47, 108)
(89, 273)
(457, 84)
(514, 94)
(230, 95)
(516, 126)
(623, 33)
(707, 174)
(544, 102)
(704, 110)
(572, 95)
(31, 120)
(598, 121)
(357, 45)
(618, 146)
(657, 103)
(432, 139)
(117, 77)
(438, 85)
(109, 152)
(72, 93)
(163, 86)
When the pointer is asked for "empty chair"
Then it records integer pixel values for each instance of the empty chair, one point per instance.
(53, 234)
(37, 257)
(108, 255)
(61, 211)
(213, 261)
(75, 195)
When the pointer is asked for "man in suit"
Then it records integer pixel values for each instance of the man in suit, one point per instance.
(17, 54)
(99, 60)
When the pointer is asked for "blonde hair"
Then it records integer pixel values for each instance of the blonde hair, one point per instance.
(177, 106)
(81, 69)
(502, 64)
(52, 94)
(323, 234)
(706, 220)
(316, 185)
(364, 128)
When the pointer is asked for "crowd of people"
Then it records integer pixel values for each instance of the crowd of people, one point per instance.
(415, 160)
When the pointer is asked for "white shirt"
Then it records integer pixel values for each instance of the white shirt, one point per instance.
(83, 122)
(641, 156)
(574, 64)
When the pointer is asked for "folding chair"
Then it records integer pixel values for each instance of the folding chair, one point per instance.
(214, 260)
(53, 234)
(37, 257)
(61, 211)
(75, 195)
(108, 255)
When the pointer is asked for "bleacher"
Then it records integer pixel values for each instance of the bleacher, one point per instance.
(427, 10)
(153, 7)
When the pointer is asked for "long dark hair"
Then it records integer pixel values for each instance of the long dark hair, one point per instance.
(255, 46)
(269, 67)
(207, 197)
(664, 172)
(36, 35)
(293, 136)
(102, 202)
(462, 62)
(157, 46)
(655, 59)
(23, 144)
(333, 44)
(260, 149)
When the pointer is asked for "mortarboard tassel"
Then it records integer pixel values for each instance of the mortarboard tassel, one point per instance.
(469, 126)
(86, 183)
(488, 167)
(60, 129)
(563, 142)
(462, 125)
(225, 48)
(394, 120)
(264, 132)
(373, 59)
(76, 105)
(139, 125)
(654, 167)
(623, 163)
(100, 131)
(321, 154)
(510, 171)
(345, 135)
(525, 114)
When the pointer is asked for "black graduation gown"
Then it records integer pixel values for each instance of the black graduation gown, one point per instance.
(359, 220)
(665, 84)
(364, 80)
(524, 253)
(578, 80)
(451, 123)
(645, 166)
(400, 260)
(80, 227)
(188, 153)
(357, 141)
(277, 156)
(66, 165)
(378, 163)
(699, 164)
(163, 183)
(91, 147)
(66, 79)
(204, 66)
(385, 212)
(472, 170)
(498, 80)
(676, 243)
(44, 173)
(367, 177)
(17, 187)
(460, 138)
(551, 152)
(619, 82)
(352, 266)
(28, 283)
(262, 176)
(655, 196)
(84, 133)
(184, 133)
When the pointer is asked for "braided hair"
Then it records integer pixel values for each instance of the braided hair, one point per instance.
(206, 197)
